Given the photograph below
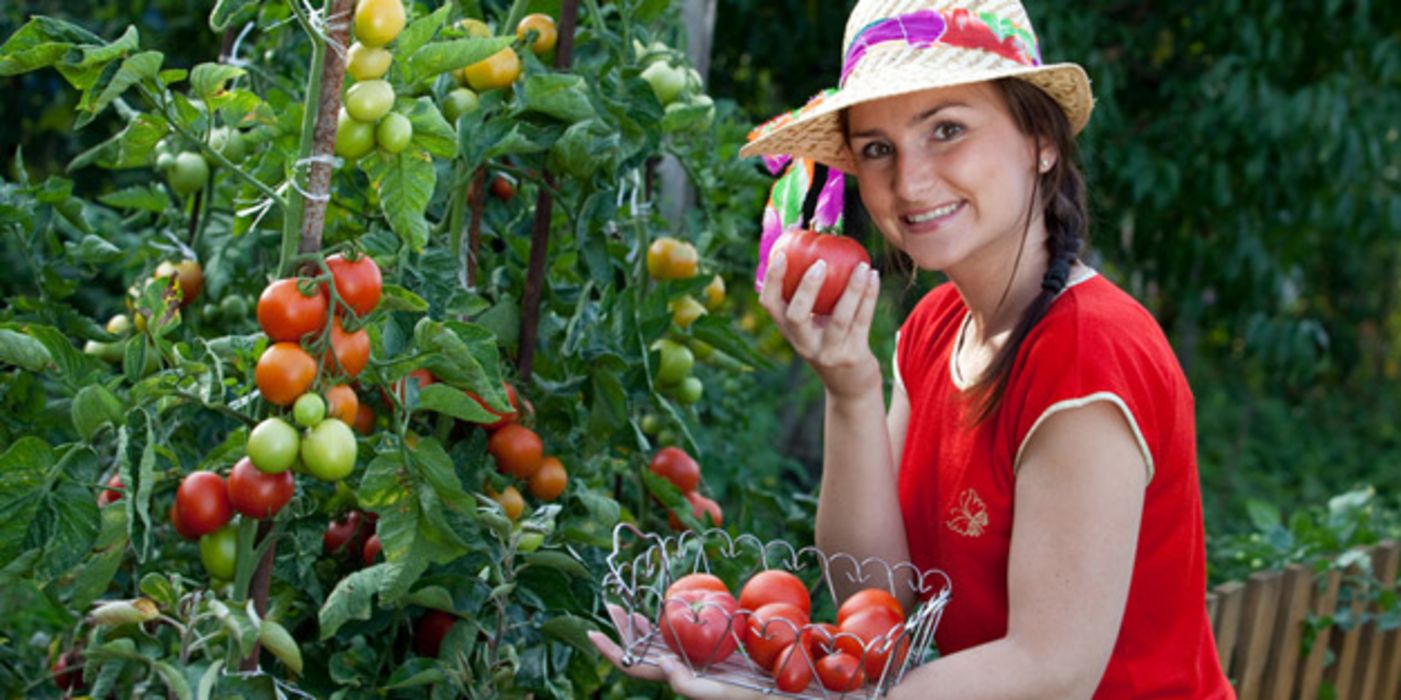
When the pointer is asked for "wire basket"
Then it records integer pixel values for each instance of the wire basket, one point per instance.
(643, 565)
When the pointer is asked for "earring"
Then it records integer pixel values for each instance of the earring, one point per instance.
(1045, 164)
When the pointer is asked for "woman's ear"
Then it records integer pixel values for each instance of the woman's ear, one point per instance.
(1046, 160)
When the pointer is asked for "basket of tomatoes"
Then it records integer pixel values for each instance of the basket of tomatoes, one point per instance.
(768, 616)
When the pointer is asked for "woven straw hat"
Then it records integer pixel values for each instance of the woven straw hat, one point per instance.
(894, 47)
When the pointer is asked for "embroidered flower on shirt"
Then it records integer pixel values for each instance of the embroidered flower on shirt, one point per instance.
(970, 516)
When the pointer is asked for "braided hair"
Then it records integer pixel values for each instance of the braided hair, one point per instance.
(1061, 193)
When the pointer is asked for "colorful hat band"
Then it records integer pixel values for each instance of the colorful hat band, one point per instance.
(961, 28)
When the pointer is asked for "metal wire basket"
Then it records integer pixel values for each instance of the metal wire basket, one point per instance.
(643, 565)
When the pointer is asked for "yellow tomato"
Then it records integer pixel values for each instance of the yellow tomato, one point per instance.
(545, 32)
(495, 71)
(367, 62)
(715, 293)
(671, 259)
(475, 28)
(378, 22)
(685, 311)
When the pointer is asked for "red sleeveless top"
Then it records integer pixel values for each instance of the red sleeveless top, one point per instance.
(1096, 343)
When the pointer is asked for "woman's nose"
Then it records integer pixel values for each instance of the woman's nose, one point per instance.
(913, 177)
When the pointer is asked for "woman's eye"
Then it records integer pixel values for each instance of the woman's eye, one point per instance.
(875, 149)
(947, 130)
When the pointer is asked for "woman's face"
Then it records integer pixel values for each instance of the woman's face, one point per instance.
(947, 176)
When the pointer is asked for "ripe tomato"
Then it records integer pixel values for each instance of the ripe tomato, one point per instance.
(354, 139)
(218, 551)
(287, 315)
(179, 525)
(771, 629)
(685, 311)
(517, 449)
(676, 362)
(328, 450)
(113, 494)
(876, 634)
(495, 71)
(869, 598)
(549, 481)
(394, 133)
(503, 188)
(429, 632)
(371, 551)
(697, 624)
(284, 372)
(475, 28)
(459, 102)
(792, 670)
(378, 22)
(510, 500)
(273, 445)
(701, 507)
(358, 282)
(343, 532)
(840, 672)
(672, 259)
(697, 582)
(544, 27)
(309, 410)
(369, 101)
(342, 404)
(803, 248)
(364, 419)
(674, 465)
(256, 494)
(67, 670)
(188, 174)
(775, 586)
(819, 639)
(189, 278)
(367, 62)
(351, 351)
(203, 502)
(503, 419)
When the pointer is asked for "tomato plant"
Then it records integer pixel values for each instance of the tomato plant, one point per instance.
(803, 248)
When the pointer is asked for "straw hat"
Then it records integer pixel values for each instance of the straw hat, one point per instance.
(894, 47)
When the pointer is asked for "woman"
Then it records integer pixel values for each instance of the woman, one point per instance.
(1039, 445)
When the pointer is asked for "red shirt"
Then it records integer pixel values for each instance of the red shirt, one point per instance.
(957, 481)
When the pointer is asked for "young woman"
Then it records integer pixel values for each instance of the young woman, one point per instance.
(1039, 442)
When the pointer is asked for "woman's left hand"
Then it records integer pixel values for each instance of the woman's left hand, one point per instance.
(671, 671)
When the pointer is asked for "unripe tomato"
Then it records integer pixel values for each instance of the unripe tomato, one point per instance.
(342, 404)
(203, 502)
(803, 248)
(188, 174)
(309, 410)
(351, 351)
(371, 551)
(674, 465)
(429, 632)
(228, 142)
(353, 139)
(367, 62)
(113, 494)
(358, 282)
(701, 349)
(495, 71)
(517, 449)
(459, 102)
(286, 314)
(188, 278)
(258, 495)
(284, 372)
(715, 293)
(475, 28)
(369, 101)
(544, 27)
(165, 161)
(689, 391)
(676, 362)
(273, 444)
(672, 259)
(328, 450)
(685, 311)
(378, 22)
(510, 500)
(652, 424)
(667, 81)
(233, 308)
(218, 551)
(549, 481)
(394, 133)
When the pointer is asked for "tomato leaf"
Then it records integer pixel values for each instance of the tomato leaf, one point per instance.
(435, 597)
(585, 147)
(405, 181)
(24, 352)
(720, 333)
(557, 561)
(572, 630)
(563, 96)
(40, 43)
(443, 56)
(23, 481)
(608, 411)
(420, 31)
(415, 673)
(115, 81)
(226, 13)
(175, 681)
(431, 131)
(130, 148)
(210, 80)
(451, 401)
(396, 298)
(351, 598)
(94, 408)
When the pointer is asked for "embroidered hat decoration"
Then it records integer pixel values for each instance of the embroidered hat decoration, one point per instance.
(895, 47)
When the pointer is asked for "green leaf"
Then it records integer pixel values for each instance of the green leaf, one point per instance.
(396, 298)
(208, 80)
(92, 250)
(276, 639)
(420, 31)
(130, 148)
(95, 575)
(351, 598)
(134, 69)
(229, 12)
(463, 355)
(24, 352)
(437, 468)
(69, 521)
(431, 131)
(557, 561)
(174, 680)
(238, 625)
(718, 332)
(584, 148)
(40, 43)
(609, 409)
(435, 597)
(571, 630)
(405, 182)
(521, 138)
(1264, 515)
(452, 401)
(71, 362)
(564, 96)
(23, 482)
(443, 56)
(84, 65)
(93, 408)
(157, 587)
(416, 673)
(152, 198)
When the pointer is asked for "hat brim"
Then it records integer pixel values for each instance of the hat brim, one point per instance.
(817, 133)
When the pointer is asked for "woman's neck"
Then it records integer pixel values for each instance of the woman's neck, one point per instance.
(982, 281)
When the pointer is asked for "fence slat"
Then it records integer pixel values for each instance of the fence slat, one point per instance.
(1213, 608)
(1369, 658)
(1391, 654)
(1282, 669)
(1324, 600)
(1231, 595)
(1344, 672)
(1257, 632)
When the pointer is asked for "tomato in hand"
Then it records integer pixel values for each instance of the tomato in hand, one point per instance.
(792, 669)
(342, 404)
(840, 672)
(517, 449)
(203, 502)
(495, 71)
(351, 351)
(218, 551)
(378, 22)
(286, 314)
(111, 494)
(358, 282)
(771, 629)
(257, 494)
(697, 624)
(545, 32)
(284, 372)
(549, 481)
(803, 248)
(674, 465)
(775, 586)
(672, 259)
(869, 598)
(429, 632)
(328, 450)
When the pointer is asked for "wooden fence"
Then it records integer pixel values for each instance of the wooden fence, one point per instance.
(1260, 627)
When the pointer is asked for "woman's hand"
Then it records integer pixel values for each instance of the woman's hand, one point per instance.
(837, 346)
(671, 671)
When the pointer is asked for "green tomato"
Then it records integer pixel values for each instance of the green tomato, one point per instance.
(188, 174)
(107, 352)
(667, 437)
(689, 391)
(165, 161)
(367, 62)
(218, 551)
(529, 541)
(369, 101)
(309, 410)
(273, 444)
(677, 361)
(353, 139)
(233, 308)
(652, 424)
(667, 81)
(394, 133)
(459, 102)
(328, 450)
(702, 350)
(229, 143)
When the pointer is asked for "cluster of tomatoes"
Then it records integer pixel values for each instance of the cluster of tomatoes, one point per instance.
(672, 259)
(353, 533)
(677, 86)
(366, 117)
(674, 465)
(701, 621)
(502, 68)
(520, 454)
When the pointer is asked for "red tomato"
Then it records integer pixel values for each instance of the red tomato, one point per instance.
(358, 282)
(257, 494)
(877, 633)
(371, 551)
(549, 481)
(284, 372)
(342, 404)
(701, 506)
(775, 586)
(674, 465)
(421, 377)
(867, 598)
(287, 314)
(67, 670)
(840, 672)
(503, 419)
(696, 624)
(364, 419)
(518, 451)
(697, 582)
(180, 527)
(771, 629)
(817, 639)
(502, 188)
(792, 670)
(430, 630)
(803, 248)
(203, 502)
(352, 350)
(111, 495)
(343, 531)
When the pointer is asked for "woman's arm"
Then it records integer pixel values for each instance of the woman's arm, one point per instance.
(1079, 503)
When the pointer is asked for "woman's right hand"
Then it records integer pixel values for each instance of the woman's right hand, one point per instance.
(838, 346)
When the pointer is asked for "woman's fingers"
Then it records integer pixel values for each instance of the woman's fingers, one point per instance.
(688, 685)
(845, 310)
(869, 298)
(800, 306)
(771, 293)
(611, 651)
